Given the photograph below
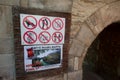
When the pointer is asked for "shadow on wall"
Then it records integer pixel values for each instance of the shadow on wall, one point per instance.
(102, 61)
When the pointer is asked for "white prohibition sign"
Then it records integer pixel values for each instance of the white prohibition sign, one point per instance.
(44, 37)
(30, 22)
(30, 37)
(57, 37)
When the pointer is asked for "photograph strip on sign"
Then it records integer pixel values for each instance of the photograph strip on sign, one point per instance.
(43, 57)
(37, 29)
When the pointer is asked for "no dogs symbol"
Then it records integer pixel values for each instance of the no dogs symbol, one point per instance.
(30, 22)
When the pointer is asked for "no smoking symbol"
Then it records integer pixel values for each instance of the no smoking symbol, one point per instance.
(30, 22)
(44, 23)
(30, 37)
(44, 37)
(57, 24)
(57, 37)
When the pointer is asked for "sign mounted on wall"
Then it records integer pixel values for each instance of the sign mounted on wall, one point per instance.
(41, 41)
(37, 29)
(42, 57)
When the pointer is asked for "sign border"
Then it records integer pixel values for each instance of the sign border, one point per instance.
(19, 49)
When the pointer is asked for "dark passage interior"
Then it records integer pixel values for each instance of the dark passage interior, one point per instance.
(102, 61)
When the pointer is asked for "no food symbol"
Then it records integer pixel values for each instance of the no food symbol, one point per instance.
(30, 37)
(44, 37)
(44, 23)
(57, 24)
(57, 37)
(30, 22)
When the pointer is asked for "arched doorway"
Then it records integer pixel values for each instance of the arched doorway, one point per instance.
(102, 61)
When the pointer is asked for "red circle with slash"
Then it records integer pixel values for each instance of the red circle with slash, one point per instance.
(44, 37)
(57, 37)
(57, 24)
(30, 22)
(30, 37)
(44, 23)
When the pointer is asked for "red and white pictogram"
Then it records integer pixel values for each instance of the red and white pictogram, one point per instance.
(44, 37)
(44, 23)
(57, 24)
(30, 37)
(57, 37)
(30, 22)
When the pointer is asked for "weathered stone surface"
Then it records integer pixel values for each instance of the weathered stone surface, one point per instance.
(82, 10)
(52, 5)
(110, 13)
(6, 59)
(36, 3)
(95, 23)
(77, 75)
(76, 63)
(76, 48)
(59, 5)
(7, 67)
(71, 64)
(6, 29)
(6, 46)
(24, 3)
(59, 77)
(75, 27)
(65, 76)
(85, 35)
(11, 2)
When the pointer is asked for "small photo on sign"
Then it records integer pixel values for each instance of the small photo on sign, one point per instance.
(42, 57)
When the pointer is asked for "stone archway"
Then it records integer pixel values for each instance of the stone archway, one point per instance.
(85, 31)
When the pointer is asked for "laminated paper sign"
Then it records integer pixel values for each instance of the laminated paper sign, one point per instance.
(42, 57)
(38, 29)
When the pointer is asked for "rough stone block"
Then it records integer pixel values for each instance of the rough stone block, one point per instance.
(86, 35)
(71, 64)
(76, 48)
(77, 75)
(59, 77)
(6, 29)
(6, 46)
(76, 63)
(7, 60)
(36, 3)
(81, 10)
(110, 13)
(95, 23)
(7, 67)
(59, 5)
(24, 3)
(75, 27)
(11, 2)
(7, 72)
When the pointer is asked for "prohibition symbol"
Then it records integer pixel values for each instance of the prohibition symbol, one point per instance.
(30, 37)
(57, 37)
(30, 22)
(57, 24)
(44, 23)
(44, 37)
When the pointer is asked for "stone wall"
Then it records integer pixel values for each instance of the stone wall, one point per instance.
(89, 18)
